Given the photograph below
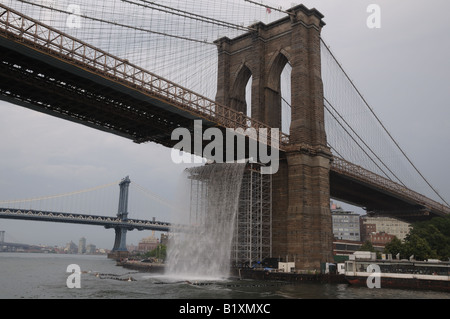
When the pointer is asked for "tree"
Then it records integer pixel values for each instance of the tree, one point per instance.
(419, 248)
(159, 252)
(425, 240)
(436, 232)
(394, 247)
(367, 246)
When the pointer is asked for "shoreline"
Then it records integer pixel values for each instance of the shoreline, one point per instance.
(241, 274)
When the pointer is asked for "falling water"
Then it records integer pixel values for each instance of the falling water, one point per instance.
(202, 251)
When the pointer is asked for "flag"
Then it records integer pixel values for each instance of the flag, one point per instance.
(268, 10)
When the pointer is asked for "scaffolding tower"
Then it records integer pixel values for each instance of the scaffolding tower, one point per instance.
(252, 234)
(252, 240)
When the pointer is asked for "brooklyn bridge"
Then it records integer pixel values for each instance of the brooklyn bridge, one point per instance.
(71, 76)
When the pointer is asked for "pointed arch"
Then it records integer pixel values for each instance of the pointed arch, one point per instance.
(278, 100)
(276, 65)
(238, 98)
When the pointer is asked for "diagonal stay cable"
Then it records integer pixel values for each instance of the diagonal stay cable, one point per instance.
(33, 199)
(167, 9)
(119, 24)
(365, 152)
(359, 137)
(382, 125)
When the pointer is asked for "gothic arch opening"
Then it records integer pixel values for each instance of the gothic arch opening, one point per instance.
(286, 98)
(278, 93)
(248, 96)
(239, 99)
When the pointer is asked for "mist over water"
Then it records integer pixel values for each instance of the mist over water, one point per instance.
(202, 251)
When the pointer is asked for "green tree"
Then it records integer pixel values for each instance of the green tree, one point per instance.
(394, 247)
(419, 247)
(436, 232)
(159, 252)
(425, 240)
(367, 246)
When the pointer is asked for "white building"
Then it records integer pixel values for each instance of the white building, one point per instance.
(387, 225)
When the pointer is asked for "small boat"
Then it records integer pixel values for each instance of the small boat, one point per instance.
(406, 274)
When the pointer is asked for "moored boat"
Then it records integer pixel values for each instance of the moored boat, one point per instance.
(432, 275)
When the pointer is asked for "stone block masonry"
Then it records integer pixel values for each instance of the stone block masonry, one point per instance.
(301, 218)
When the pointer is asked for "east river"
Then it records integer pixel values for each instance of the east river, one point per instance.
(44, 276)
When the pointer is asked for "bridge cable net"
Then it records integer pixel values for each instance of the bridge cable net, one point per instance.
(173, 38)
(356, 134)
(100, 201)
(147, 205)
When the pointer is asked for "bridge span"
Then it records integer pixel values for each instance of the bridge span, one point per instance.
(72, 218)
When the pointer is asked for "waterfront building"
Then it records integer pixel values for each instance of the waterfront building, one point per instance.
(370, 226)
(148, 243)
(346, 224)
(380, 238)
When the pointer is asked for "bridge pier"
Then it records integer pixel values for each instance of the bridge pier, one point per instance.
(120, 242)
(301, 216)
(301, 224)
(119, 250)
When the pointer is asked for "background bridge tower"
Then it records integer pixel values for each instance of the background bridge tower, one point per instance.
(301, 188)
(120, 243)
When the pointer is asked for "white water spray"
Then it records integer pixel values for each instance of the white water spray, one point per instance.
(203, 250)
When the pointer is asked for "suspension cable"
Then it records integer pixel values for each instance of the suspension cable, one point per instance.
(185, 14)
(58, 195)
(119, 24)
(382, 125)
(359, 137)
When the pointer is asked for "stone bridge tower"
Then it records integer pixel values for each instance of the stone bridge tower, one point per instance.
(301, 222)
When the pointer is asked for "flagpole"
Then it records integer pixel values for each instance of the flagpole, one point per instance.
(269, 7)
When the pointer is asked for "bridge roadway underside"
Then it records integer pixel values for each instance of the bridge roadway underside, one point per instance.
(43, 83)
(375, 200)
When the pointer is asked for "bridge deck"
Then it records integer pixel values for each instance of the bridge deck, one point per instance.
(356, 185)
(105, 221)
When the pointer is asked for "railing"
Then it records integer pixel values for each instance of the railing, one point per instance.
(354, 171)
(30, 32)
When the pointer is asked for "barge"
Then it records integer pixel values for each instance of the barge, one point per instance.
(405, 274)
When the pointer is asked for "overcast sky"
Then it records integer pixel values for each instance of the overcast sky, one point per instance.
(402, 69)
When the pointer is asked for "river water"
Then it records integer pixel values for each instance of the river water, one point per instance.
(33, 276)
